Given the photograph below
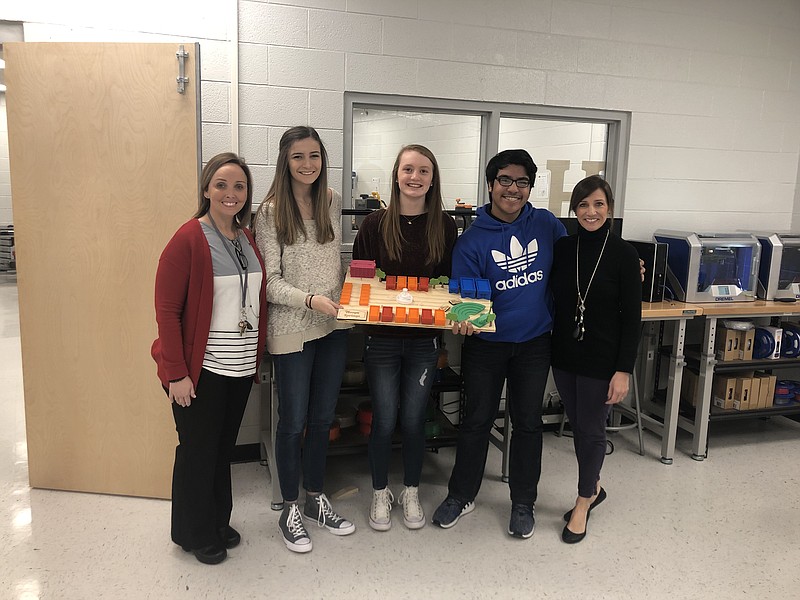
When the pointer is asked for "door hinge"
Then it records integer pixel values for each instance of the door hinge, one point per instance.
(182, 79)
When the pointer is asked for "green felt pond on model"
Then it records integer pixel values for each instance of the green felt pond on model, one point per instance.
(463, 310)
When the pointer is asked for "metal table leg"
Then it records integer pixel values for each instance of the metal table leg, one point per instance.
(676, 364)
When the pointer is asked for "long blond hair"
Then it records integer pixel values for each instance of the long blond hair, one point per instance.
(390, 223)
(288, 220)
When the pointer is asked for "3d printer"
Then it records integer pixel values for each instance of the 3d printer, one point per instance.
(779, 270)
(711, 267)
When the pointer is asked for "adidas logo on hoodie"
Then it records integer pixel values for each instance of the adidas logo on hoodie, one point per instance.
(518, 260)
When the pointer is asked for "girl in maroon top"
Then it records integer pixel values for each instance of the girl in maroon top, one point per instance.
(412, 237)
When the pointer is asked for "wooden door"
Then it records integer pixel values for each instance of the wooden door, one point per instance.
(104, 168)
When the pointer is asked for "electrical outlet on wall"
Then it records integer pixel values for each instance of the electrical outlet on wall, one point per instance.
(541, 188)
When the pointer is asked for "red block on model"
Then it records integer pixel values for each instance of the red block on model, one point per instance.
(387, 316)
(427, 316)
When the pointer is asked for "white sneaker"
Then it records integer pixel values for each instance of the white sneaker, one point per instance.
(380, 513)
(413, 515)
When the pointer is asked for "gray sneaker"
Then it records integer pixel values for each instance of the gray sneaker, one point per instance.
(294, 534)
(319, 509)
(450, 511)
(522, 521)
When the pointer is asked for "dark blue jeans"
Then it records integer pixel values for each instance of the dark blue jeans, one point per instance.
(308, 385)
(485, 366)
(400, 372)
(584, 401)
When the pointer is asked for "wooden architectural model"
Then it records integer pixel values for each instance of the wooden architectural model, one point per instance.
(414, 301)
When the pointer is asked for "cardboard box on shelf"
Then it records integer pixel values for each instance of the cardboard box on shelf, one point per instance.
(741, 394)
(746, 341)
(770, 397)
(727, 345)
(755, 393)
(723, 390)
(763, 390)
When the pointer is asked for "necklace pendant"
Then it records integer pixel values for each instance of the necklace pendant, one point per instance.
(577, 333)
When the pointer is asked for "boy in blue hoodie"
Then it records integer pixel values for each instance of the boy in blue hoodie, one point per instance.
(510, 244)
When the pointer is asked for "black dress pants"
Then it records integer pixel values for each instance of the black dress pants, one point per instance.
(201, 478)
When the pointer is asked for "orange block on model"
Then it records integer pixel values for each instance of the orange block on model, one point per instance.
(413, 315)
(400, 316)
(365, 293)
(401, 282)
(439, 318)
(374, 313)
(347, 291)
(412, 284)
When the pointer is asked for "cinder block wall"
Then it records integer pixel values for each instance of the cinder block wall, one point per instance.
(713, 85)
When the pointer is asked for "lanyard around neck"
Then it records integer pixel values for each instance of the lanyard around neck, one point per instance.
(241, 271)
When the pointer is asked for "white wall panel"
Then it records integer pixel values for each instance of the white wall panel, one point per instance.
(330, 30)
(548, 52)
(391, 8)
(715, 68)
(302, 68)
(266, 105)
(216, 139)
(215, 102)
(713, 86)
(381, 74)
(253, 62)
(254, 144)
(581, 19)
(419, 39)
(325, 109)
(484, 45)
(262, 23)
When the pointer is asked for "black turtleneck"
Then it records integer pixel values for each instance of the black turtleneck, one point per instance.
(613, 314)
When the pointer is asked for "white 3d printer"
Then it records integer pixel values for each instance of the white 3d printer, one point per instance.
(711, 267)
(779, 271)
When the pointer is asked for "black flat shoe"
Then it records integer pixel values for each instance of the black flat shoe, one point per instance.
(570, 537)
(229, 536)
(211, 555)
(601, 495)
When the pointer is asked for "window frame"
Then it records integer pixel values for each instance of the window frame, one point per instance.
(617, 143)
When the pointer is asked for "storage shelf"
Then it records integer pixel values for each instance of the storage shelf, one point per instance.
(352, 441)
(693, 359)
(720, 414)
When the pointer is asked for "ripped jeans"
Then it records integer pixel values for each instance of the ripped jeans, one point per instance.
(400, 372)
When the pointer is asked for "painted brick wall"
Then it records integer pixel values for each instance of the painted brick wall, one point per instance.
(713, 85)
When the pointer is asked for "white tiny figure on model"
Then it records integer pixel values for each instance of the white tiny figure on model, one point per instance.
(404, 297)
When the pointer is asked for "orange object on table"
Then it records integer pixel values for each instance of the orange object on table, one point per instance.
(400, 316)
(412, 284)
(365, 293)
(374, 312)
(347, 291)
(439, 318)
(413, 316)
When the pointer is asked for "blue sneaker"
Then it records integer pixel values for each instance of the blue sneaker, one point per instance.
(522, 521)
(450, 511)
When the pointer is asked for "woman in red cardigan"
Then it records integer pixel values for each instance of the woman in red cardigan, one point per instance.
(210, 300)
